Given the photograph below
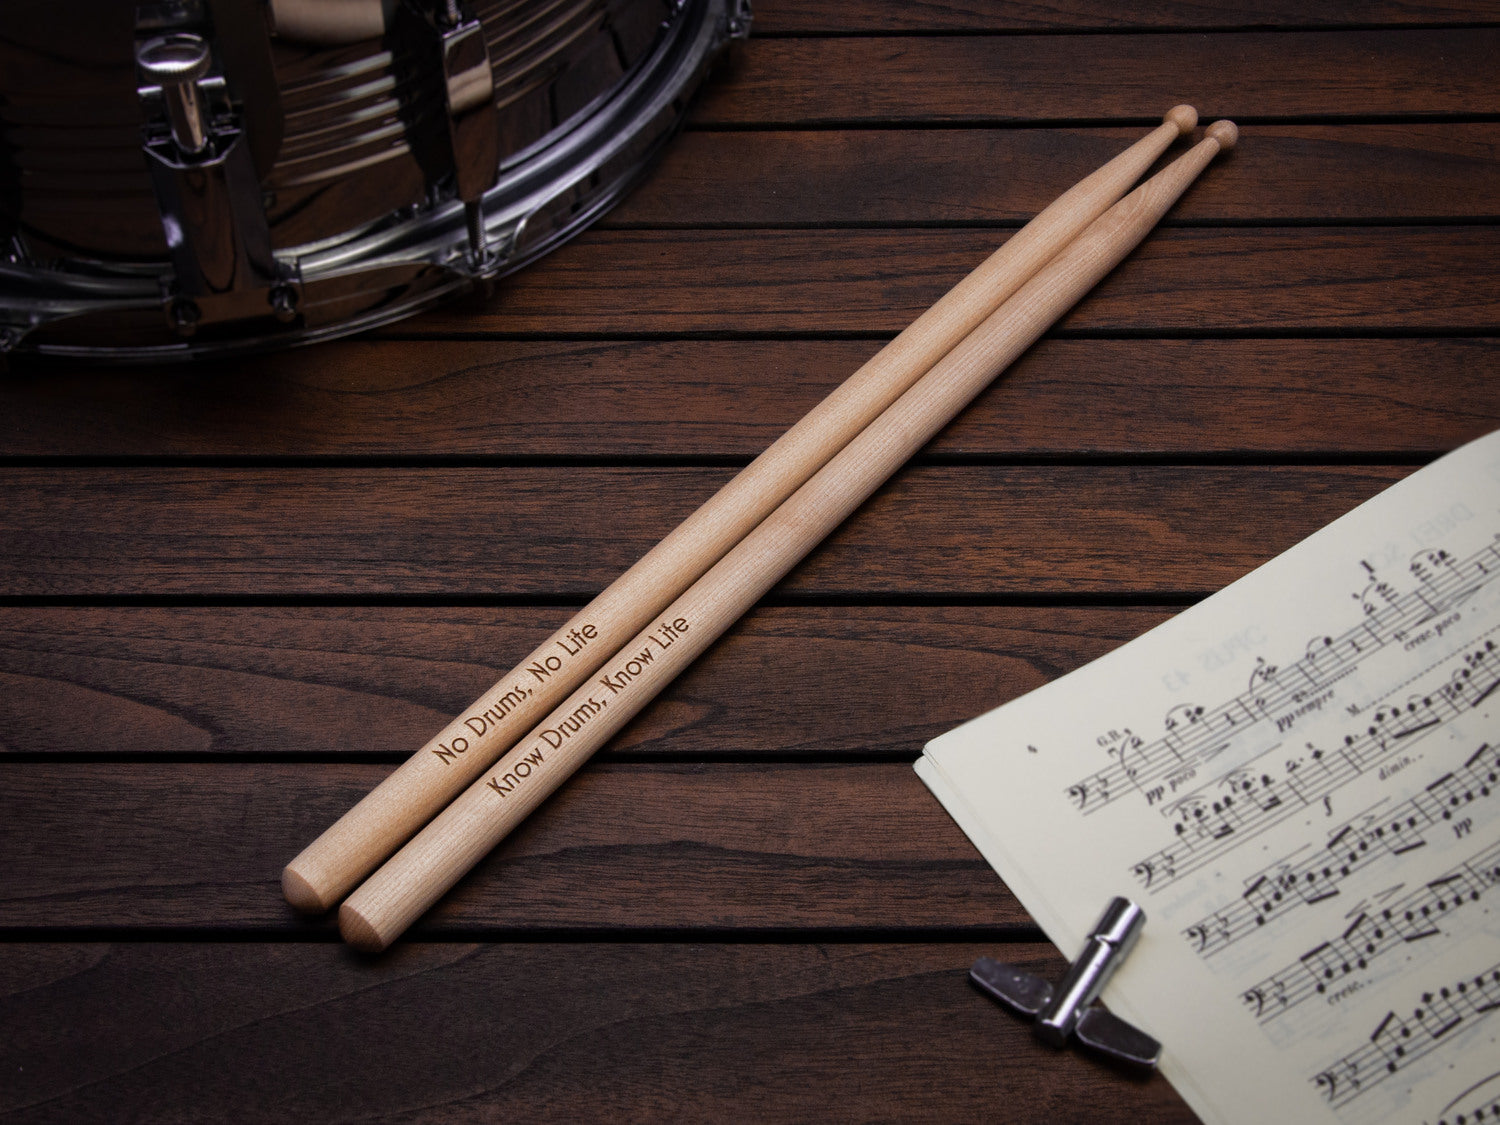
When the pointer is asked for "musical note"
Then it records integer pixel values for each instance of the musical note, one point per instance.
(1479, 1103)
(1274, 890)
(1199, 839)
(1399, 1041)
(1374, 932)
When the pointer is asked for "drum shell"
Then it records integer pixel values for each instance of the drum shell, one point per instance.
(352, 199)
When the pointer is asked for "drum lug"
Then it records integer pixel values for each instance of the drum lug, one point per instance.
(284, 299)
(737, 19)
(471, 152)
(207, 192)
(183, 316)
(10, 337)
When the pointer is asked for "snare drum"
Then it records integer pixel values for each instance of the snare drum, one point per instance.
(205, 177)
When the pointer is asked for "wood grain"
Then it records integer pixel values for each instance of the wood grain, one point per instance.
(913, 387)
(789, 680)
(1281, 173)
(937, 531)
(790, 17)
(1204, 281)
(1256, 76)
(714, 398)
(742, 819)
(410, 882)
(622, 847)
(533, 1032)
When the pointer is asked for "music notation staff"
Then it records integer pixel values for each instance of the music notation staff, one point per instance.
(1374, 932)
(1196, 734)
(1282, 886)
(1398, 1041)
(1254, 799)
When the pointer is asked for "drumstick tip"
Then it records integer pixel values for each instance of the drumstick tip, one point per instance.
(358, 932)
(300, 893)
(1185, 117)
(1225, 132)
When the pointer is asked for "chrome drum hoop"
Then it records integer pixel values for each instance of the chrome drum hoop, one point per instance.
(258, 295)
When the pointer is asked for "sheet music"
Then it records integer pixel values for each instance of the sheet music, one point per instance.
(1299, 781)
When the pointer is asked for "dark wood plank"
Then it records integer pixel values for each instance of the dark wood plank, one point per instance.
(1256, 75)
(621, 847)
(751, 859)
(1207, 281)
(711, 398)
(789, 680)
(793, 17)
(1280, 173)
(544, 532)
(533, 1032)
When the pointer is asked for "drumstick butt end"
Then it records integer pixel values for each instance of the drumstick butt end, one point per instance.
(1185, 117)
(300, 892)
(1225, 132)
(358, 932)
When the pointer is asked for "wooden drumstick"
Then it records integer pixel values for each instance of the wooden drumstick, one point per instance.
(356, 844)
(421, 872)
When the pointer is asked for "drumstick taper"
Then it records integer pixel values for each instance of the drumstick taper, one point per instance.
(421, 872)
(356, 844)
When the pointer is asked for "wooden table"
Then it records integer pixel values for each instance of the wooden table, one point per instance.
(234, 597)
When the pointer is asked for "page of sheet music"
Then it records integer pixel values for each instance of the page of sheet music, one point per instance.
(1299, 781)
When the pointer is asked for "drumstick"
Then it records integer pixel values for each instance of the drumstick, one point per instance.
(421, 872)
(356, 844)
